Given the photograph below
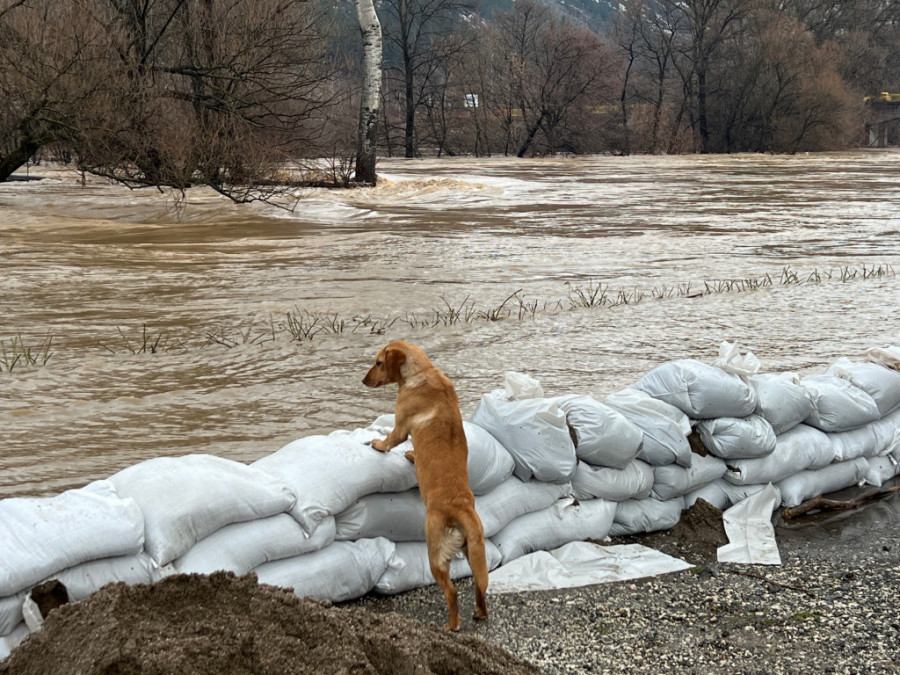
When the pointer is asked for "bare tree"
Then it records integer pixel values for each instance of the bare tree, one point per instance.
(411, 29)
(367, 134)
(551, 69)
(170, 92)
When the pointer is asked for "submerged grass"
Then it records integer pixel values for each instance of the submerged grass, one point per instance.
(302, 325)
(16, 353)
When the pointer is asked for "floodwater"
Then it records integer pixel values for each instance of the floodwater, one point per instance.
(107, 273)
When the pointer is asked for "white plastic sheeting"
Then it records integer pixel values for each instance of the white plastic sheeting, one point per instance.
(751, 536)
(581, 563)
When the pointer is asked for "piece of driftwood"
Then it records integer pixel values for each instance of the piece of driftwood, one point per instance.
(820, 503)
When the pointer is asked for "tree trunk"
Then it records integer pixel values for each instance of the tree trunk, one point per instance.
(17, 157)
(409, 96)
(367, 135)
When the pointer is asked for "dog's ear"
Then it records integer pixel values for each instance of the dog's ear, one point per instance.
(394, 358)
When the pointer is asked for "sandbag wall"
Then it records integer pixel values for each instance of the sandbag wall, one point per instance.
(333, 519)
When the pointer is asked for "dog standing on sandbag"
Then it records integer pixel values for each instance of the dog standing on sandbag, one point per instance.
(428, 410)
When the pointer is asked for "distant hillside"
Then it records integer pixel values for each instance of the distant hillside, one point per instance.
(593, 13)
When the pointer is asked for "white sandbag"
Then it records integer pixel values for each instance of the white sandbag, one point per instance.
(646, 515)
(665, 427)
(635, 481)
(722, 494)
(241, 547)
(398, 516)
(11, 612)
(675, 481)
(881, 470)
(838, 405)
(565, 521)
(187, 498)
(513, 498)
(535, 433)
(87, 578)
(329, 473)
(489, 463)
(603, 436)
(416, 571)
(889, 357)
(879, 382)
(713, 493)
(879, 438)
(796, 450)
(801, 486)
(738, 493)
(737, 437)
(41, 536)
(343, 571)
(699, 390)
(781, 400)
(13, 639)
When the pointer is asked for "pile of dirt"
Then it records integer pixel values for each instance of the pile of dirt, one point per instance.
(695, 538)
(223, 624)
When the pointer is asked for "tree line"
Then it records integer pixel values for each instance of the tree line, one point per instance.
(247, 96)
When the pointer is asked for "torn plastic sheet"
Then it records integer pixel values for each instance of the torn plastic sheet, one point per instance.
(581, 563)
(751, 536)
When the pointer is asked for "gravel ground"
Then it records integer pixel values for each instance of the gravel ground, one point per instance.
(831, 607)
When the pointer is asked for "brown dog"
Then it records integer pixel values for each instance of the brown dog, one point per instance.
(428, 409)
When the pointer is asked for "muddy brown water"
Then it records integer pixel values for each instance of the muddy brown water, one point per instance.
(95, 266)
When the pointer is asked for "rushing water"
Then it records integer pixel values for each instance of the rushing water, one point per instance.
(107, 272)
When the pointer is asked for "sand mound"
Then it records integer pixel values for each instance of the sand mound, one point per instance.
(222, 624)
(696, 537)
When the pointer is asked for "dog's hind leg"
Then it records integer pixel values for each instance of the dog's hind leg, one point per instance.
(443, 542)
(478, 562)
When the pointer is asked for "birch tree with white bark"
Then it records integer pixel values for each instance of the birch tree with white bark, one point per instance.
(370, 102)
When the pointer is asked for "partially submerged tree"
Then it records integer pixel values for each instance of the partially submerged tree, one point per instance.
(169, 92)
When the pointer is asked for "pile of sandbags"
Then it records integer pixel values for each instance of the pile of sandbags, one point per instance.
(334, 519)
(806, 436)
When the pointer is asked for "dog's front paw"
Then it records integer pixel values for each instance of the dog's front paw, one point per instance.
(411, 456)
(379, 445)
